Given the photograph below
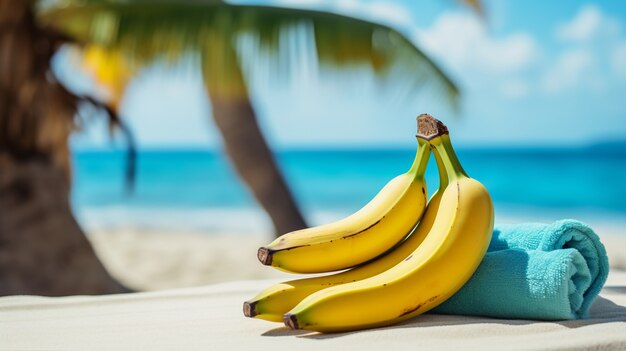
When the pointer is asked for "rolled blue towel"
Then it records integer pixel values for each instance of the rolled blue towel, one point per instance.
(535, 271)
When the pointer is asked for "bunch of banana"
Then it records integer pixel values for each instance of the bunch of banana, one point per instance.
(430, 265)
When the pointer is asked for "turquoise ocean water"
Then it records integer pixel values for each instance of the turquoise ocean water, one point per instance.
(198, 189)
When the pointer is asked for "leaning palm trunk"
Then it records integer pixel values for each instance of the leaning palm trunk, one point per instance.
(253, 160)
(42, 248)
(243, 140)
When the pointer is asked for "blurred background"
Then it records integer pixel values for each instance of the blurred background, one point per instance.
(246, 121)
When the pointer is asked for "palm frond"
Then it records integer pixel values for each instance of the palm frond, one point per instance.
(145, 31)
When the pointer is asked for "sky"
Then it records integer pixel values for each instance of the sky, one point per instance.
(531, 74)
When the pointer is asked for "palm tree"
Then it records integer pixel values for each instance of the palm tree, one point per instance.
(42, 249)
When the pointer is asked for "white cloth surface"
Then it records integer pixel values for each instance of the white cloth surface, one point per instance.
(210, 318)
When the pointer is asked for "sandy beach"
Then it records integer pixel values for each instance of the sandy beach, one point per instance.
(161, 259)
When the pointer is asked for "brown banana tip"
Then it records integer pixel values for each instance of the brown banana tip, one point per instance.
(291, 321)
(265, 256)
(249, 309)
(428, 127)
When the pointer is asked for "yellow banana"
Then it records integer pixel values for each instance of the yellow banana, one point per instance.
(273, 302)
(383, 223)
(437, 269)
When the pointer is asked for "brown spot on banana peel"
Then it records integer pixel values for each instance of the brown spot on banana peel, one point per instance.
(414, 309)
(410, 310)
(361, 231)
(408, 258)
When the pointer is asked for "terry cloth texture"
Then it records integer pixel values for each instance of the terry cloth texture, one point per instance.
(535, 271)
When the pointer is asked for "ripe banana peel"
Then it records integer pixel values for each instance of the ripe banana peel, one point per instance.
(379, 226)
(271, 303)
(432, 264)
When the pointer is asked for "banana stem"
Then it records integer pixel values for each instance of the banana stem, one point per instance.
(441, 168)
(421, 159)
(443, 146)
(433, 131)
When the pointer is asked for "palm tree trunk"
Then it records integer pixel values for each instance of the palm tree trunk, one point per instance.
(243, 139)
(42, 249)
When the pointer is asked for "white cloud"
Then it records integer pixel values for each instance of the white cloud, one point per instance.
(461, 40)
(570, 69)
(595, 53)
(589, 23)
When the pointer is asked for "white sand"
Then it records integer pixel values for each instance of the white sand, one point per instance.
(155, 260)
